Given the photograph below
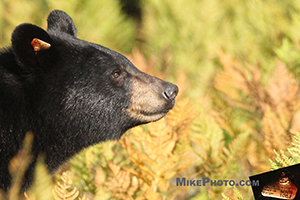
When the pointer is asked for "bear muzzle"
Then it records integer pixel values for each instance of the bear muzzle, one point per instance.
(151, 98)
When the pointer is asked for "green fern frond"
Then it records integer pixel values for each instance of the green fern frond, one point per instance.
(226, 197)
(288, 160)
(282, 160)
(274, 165)
(235, 151)
(295, 150)
(237, 193)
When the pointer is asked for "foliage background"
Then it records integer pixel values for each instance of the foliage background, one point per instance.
(237, 66)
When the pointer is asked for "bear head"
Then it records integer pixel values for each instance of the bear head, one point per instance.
(81, 93)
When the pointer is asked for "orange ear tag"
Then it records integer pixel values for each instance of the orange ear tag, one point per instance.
(281, 189)
(39, 45)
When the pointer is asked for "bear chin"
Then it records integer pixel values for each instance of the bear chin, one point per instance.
(144, 116)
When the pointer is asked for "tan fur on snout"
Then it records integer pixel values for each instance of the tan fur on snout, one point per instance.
(147, 103)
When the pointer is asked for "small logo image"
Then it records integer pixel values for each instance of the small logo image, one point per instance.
(283, 183)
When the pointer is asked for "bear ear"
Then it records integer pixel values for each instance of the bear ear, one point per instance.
(61, 21)
(31, 45)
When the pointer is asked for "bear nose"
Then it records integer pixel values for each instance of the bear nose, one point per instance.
(171, 91)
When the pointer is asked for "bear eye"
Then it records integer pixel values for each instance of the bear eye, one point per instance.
(116, 74)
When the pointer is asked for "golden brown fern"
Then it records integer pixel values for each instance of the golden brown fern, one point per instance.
(276, 102)
(18, 166)
(121, 183)
(63, 191)
(154, 154)
(26, 196)
(42, 185)
(157, 152)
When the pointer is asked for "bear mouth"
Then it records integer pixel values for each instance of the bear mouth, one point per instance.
(146, 116)
(153, 116)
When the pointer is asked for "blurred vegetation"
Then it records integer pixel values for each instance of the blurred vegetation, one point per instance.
(237, 66)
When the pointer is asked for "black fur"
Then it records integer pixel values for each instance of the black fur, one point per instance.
(71, 95)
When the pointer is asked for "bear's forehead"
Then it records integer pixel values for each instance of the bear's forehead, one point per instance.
(74, 45)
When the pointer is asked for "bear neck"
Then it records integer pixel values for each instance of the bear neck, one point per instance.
(59, 147)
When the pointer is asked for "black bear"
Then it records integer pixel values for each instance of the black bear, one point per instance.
(70, 93)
